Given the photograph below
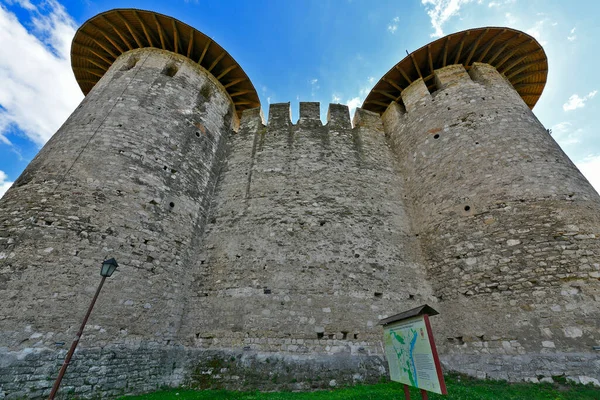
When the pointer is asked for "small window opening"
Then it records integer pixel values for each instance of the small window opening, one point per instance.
(170, 70)
(467, 208)
(355, 336)
(378, 295)
(344, 335)
(267, 291)
(436, 136)
(319, 335)
(171, 204)
(129, 64)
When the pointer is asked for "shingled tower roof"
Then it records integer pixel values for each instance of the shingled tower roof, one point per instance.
(516, 55)
(103, 38)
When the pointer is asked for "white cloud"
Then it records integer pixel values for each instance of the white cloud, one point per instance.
(575, 101)
(572, 35)
(536, 31)
(564, 134)
(590, 167)
(4, 183)
(498, 4)
(353, 104)
(393, 26)
(39, 90)
(335, 98)
(440, 11)
(510, 19)
(314, 86)
(26, 4)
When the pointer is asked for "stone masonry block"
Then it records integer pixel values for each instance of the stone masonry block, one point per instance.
(338, 115)
(310, 111)
(280, 114)
(252, 119)
(487, 75)
(393, 116)
(367, 119)
(450, 75)
(415, 94)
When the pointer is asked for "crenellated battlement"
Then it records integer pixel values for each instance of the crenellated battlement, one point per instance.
(417, 95)
(310, 114)
(280, 115)
(450, 80)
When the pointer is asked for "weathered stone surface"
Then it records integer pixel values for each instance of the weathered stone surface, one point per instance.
(309, 242)
(498, 208)
(264, 258)
(129, 175)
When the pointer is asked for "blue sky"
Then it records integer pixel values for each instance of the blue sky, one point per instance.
(327, 51)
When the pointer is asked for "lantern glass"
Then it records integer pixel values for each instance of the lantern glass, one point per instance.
(108, 267)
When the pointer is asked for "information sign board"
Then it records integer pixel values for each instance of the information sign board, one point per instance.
(411, 354)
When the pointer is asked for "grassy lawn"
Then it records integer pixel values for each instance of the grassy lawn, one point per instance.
(458, 388)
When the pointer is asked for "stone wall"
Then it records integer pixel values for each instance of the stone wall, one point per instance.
(509, 228)
(309, 244)
(129, 175)
(265, 258)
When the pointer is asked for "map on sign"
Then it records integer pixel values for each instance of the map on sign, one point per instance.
(409, 354)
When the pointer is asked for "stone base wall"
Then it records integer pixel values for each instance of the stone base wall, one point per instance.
(573, 367)
(143, 367)
(110, 371)
(260, 365)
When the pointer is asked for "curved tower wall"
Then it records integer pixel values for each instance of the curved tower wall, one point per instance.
(129, 175)
(508, 226)
(308, 247)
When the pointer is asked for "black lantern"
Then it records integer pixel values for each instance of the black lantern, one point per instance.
(108, 267)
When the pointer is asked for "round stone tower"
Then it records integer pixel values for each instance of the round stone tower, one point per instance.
(129, 175)
(509, 228)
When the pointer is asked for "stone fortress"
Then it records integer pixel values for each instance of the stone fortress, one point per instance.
(261, 254)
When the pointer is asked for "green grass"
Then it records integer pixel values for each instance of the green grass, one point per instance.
(459, 388)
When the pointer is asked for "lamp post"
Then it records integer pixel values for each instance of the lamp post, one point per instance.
(107, 269)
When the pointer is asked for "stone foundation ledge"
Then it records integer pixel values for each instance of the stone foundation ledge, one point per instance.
(573, 367)
(135, 368)
(244, 370)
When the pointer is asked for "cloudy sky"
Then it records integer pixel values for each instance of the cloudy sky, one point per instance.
(327, 51)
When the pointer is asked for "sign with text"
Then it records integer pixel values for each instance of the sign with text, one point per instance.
(411, 354)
